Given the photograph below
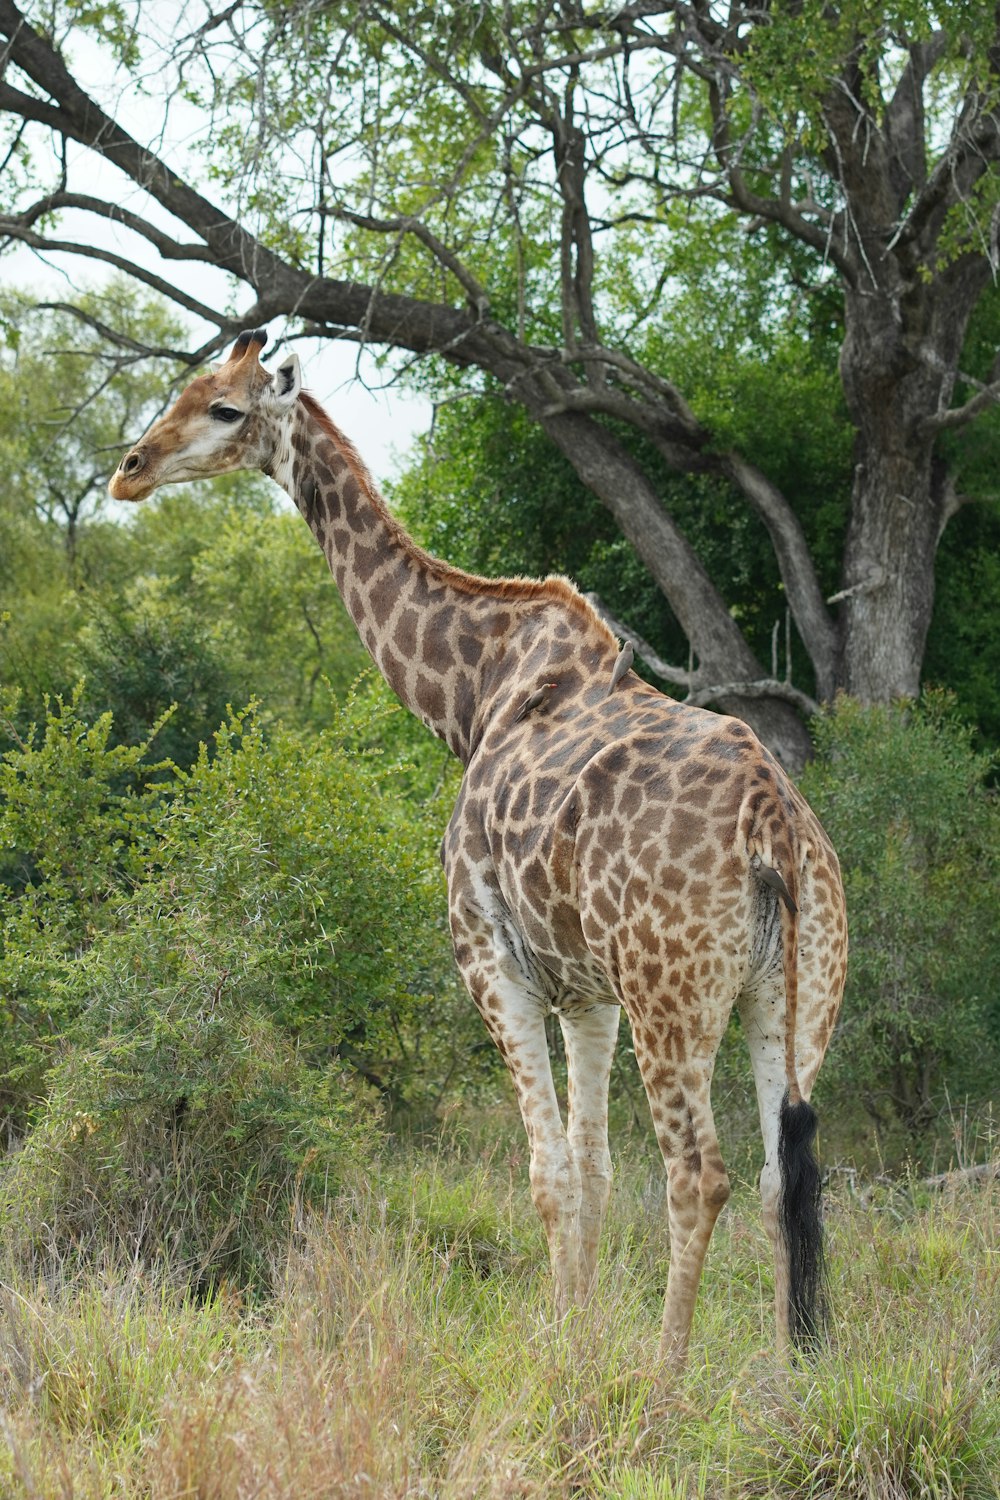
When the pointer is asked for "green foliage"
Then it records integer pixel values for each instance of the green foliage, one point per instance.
(198, 967)
(963, 646)
(905, 800)
(110, 20)
(77, 816)
(187, 1129)
(207, 600)
(148, 651)
(194, 603)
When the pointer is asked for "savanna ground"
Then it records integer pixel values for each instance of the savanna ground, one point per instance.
(408, 1351)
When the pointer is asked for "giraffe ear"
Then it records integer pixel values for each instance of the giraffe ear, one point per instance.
(287, 382)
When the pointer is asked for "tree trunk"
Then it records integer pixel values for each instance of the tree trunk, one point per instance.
(889, 573)
(898, 365)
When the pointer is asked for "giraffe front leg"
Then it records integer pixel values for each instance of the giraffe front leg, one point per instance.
(512, 999)
(517, 1025)
(589, 1036)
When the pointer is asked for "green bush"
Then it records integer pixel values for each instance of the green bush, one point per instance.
(200, 966)
(908, 805)
(78, 818)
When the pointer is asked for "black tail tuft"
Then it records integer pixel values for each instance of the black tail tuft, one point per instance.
(801, 1221)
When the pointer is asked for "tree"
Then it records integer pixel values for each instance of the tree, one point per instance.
(523, 191)
(68, 403)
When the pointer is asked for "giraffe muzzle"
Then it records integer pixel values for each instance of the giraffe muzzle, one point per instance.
(126, 482)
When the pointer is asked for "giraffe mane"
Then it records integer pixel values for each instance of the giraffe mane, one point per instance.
(555, 588)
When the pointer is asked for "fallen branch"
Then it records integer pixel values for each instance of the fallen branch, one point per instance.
(987, 1171)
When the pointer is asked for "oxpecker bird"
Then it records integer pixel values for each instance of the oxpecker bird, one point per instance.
(626, 656)
(537, 699)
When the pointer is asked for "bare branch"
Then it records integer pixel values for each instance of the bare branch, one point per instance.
(904, 117)
(780, 210)
(698, 696)
(75, 116)
(169, 248)
(642, 648)
(121, 340)
(762, 687)
(986, 397)
(798, 573)
(407, 224)
(640, 378)
(988, 1171)
(974, 146)
(11, 228)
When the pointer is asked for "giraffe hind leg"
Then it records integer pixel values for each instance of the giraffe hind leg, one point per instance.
(697, 1191)
(678, 1089)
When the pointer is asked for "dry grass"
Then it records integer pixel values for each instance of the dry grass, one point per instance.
(410, 1353)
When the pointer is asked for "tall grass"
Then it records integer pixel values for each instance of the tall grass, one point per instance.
(410, 1352)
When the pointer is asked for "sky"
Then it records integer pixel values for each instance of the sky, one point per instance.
(379, 418)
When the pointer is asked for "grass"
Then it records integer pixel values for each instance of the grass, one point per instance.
(410, 1353)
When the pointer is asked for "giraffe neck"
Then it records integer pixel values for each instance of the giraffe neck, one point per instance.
(439, 636)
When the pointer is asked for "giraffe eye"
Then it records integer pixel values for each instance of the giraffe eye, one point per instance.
(226, 413)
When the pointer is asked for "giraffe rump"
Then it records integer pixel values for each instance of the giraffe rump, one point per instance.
(801, 1221)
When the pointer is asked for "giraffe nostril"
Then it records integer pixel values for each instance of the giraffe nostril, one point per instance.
(131, 463)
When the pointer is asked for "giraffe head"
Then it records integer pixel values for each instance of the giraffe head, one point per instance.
(230, 419)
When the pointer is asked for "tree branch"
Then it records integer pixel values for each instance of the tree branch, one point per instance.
(700, 696)
(805, 597)
(663, 669)
(11, 228)
(123, 341)
(904, 122)
(75, 116)
(407, 224)
(974, 145)
(779, 210)
(168, 248)
(960, 416)
(761, 687)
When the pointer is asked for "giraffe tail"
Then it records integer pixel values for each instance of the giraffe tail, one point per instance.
(767, 833)
(800, 1202)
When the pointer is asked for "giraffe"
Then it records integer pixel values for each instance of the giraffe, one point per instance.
(610, 849)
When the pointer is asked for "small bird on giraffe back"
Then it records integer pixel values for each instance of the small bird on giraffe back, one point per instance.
(535, 701)
(623, 664)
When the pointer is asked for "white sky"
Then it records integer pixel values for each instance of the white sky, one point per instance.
(382, 420)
